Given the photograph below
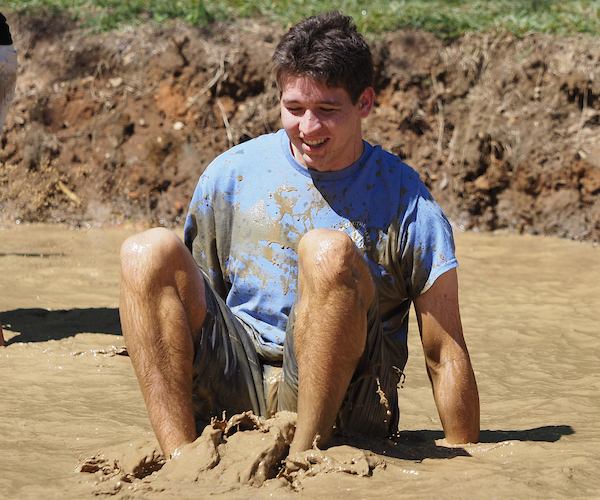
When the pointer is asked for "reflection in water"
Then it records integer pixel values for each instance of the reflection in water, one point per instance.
(530, 312)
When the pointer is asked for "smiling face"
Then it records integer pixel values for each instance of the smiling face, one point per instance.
(322, 123)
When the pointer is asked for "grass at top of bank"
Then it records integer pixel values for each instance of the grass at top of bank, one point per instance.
(445, 18)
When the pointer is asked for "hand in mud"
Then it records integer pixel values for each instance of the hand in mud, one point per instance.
(194, 458)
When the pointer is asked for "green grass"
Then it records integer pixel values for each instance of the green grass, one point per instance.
(447, 19)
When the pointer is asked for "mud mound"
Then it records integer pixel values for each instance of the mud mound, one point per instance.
(245, 451)
(116, 128)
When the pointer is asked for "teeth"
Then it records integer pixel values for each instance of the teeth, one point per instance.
(315, 143)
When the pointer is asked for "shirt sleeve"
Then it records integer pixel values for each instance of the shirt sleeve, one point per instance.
(200, 233)
(429, 246)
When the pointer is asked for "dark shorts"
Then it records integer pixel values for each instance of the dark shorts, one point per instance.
(234, 372)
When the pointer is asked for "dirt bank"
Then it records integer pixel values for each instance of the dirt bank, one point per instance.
(116, 128)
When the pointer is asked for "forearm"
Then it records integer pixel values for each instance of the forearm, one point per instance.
(457, 400)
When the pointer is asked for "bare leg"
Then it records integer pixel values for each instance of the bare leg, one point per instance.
(162, 305)
(336, 290)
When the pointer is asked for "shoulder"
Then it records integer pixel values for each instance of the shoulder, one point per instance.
(247, 155)
(396, 179)
(260, 145)
(390, 167)
(242, 165)
(417, 210)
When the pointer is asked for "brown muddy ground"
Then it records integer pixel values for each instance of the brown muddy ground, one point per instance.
(116, 128)
(70, 400)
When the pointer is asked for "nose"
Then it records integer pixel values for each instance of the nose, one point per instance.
(309, 123)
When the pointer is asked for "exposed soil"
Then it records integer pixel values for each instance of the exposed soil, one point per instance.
(116, 128)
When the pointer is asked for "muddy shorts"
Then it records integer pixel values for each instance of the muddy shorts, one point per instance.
(8, 79)
(235, 372)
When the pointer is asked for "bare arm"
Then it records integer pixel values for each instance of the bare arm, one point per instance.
(447, 359)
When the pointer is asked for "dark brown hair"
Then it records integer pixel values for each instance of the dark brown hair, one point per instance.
(329, 49)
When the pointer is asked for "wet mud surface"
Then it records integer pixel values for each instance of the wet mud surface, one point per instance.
(73, 424)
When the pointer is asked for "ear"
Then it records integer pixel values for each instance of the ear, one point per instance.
(366, 101)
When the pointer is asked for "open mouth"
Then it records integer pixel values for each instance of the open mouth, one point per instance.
(314, 144)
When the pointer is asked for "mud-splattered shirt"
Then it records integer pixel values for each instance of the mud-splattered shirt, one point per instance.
(254, 202)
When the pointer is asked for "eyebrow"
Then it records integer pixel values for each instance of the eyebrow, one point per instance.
(327, 102)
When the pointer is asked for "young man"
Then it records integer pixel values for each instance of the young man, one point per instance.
(8, 80)
(308, 247)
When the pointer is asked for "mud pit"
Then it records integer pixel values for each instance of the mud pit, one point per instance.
(117, 128)
(70, 397)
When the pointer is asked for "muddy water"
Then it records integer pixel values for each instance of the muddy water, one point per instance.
(531, 317)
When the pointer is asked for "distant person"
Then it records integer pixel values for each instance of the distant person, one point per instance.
(304, 251)
(8, 70)
(8, 81)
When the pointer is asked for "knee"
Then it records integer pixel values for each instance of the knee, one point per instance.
(331, 259)
(149, 255)
(326, 250)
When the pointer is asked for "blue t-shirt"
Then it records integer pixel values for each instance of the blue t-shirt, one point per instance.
(254, 202)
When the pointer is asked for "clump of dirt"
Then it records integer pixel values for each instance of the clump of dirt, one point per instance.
(117, 128)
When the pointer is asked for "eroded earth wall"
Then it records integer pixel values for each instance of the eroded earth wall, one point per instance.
(116, 128)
